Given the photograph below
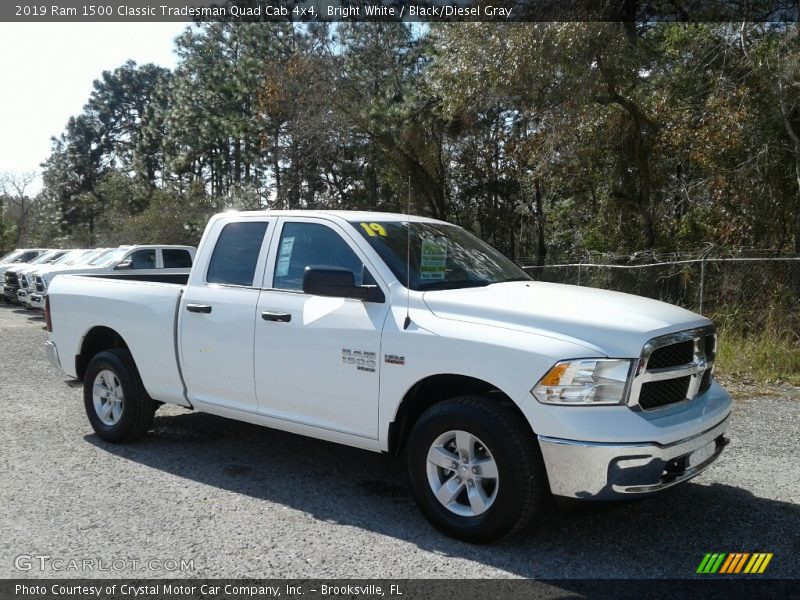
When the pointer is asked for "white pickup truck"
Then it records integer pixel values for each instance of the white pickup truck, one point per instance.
(152, 262)
(18, 257)
(330, 324)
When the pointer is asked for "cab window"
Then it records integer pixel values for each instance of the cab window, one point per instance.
(311, 244)
(143, 259)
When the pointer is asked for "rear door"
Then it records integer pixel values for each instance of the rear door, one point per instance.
(217, 314)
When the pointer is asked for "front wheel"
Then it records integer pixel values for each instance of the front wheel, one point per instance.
(476, 473)
(114, 397)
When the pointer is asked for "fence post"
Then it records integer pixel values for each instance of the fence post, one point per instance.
(702, 281)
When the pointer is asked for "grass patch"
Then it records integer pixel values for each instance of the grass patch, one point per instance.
(768, 356)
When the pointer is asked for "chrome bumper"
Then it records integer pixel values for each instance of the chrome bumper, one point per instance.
(599, 471)
(52, 354)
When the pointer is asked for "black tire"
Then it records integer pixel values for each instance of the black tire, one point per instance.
(521, 482)
(137, 408)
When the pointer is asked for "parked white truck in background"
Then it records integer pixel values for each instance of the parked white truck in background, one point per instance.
(15, 275)
(19, 256)
(154, 262)
(499, 388)
(73, 259)
(34, 297)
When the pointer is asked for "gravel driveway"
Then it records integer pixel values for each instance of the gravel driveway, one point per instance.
(242, 501)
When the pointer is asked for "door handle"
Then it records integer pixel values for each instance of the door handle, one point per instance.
(198, 308)
(276, 316)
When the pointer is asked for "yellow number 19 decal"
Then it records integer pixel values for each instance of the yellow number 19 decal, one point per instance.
(374, 229)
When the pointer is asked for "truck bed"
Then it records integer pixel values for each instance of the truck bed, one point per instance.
(141, 310)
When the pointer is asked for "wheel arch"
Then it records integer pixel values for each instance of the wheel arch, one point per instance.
(96, 340)
(436, 388)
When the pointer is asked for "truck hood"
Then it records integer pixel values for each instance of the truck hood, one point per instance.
(26, 269)
(10, 267)
(611, 323)
(71, 270)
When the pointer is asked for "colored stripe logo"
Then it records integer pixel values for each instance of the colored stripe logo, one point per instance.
(734, 563)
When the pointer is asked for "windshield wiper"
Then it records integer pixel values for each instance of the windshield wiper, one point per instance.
(513, 279)
(452, 285)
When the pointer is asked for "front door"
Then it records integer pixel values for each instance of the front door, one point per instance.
(317, 358)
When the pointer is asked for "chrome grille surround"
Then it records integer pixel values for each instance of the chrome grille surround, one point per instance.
(694, 370)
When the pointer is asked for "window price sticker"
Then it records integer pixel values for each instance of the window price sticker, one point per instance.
(284, 256)
(432, 261)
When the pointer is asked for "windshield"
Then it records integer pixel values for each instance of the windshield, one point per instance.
(21, 256)
(69, 257)
(88, 255)
(46, 257)
(10, 256)
(108, 257)
(442, 256)
(40, 259)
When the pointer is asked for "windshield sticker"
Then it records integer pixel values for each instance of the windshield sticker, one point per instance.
(374, 229)
(432, 261)
(284, 255)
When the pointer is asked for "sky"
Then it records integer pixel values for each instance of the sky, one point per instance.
(46, 75)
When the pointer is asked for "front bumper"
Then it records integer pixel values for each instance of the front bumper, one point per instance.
(52, 354)
(36, 300)
(600, 471)
(10, 292)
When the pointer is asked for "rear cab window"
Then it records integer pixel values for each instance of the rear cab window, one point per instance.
(176, 258)
(236, 252)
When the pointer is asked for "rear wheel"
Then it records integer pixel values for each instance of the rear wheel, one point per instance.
(114, 397)
(475, 472)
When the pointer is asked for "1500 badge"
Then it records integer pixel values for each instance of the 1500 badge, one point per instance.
(393, 359)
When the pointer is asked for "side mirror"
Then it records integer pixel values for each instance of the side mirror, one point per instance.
(338, 283)
(125, 264)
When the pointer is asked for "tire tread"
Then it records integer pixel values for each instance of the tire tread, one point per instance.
(141, 407)
(533, 484)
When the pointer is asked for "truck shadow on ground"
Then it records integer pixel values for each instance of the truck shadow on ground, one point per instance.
(663, 536)
(33, 315)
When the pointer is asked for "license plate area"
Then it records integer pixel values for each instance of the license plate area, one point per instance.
(702, 454)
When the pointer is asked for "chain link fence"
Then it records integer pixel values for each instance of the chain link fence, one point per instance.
(747, 293)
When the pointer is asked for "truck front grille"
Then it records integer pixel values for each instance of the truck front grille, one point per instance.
(11, 278)
(672, 355)
(711, 346)
(705, 382)
(662, 393)
(674, 368)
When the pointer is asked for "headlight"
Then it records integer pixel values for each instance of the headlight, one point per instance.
(586, 381)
